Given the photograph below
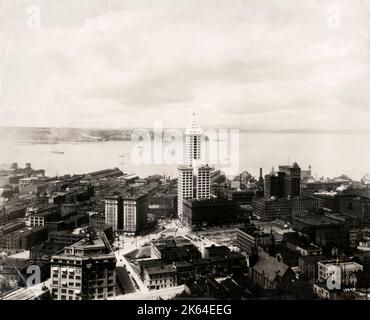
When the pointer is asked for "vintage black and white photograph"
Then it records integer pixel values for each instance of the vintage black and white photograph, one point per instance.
(184, 150)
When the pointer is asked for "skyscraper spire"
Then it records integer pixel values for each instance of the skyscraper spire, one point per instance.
(193, 128)
(193, 136)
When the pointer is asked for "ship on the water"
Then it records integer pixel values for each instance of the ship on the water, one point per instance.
(57, 152)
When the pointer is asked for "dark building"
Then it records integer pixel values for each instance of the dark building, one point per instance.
(308, 267)
(199, 213)
(326, 200)
(163, 205)
(285, 183)
(355, 206)
(174, 249)
(250, 238)
(304, 205)
(216, 251)
(269, 210)
(97, 220)
(102, 175)
(271, 273)
(64, 237)
(273, 186)
(11, 212)
(292, 180)
(240, 197)
(322, 230)
(24, 239)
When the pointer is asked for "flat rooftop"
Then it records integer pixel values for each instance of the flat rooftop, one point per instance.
(161, 269)
(319, 220)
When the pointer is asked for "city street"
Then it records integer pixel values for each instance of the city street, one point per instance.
(127, 245)
(29, 293)
(152, 295)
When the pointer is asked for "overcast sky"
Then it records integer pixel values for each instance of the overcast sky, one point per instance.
(276, 64)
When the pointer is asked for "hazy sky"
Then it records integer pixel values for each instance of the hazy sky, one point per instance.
(276, 64)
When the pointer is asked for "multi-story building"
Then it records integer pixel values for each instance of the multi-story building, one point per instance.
(24, 239)
(203, 187)
(269, 210)
(273, 185)
(292, 180)
(114, 212)
(310, 226)
(11, 212)
(194, 177)
(174, 249)
(193, 136)
(199, 213)
(285, 183)
(249, 239)
(163, 205)
(185, 187)
(240, 197)
(135, 213)
(349, 271)
(160, 277)
(102, 175)
(355, 206)
(85, 271)
(271, 273)
(38, 216)
(304, 205)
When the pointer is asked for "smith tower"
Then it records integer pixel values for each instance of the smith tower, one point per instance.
(193, 136)
(193, 178)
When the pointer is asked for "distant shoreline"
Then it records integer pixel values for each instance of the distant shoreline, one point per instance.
(130, 130)
(35, 135)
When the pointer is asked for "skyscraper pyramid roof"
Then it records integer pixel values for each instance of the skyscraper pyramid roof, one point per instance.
(193, 128)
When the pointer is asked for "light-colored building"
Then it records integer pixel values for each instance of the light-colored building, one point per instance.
(114, 212)
(160, 277)
(185, 187)
(193, 178)
(203, 186)
(85, 271)
(348, 271)
(135, 213)
(193, 138)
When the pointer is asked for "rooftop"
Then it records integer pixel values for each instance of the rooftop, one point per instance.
(270, 267)
(319, 220)
(193, 128)
(161, 269)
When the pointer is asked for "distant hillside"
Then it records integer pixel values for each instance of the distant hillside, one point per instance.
(55, 135)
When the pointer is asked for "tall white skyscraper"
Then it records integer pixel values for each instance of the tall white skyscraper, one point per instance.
(193, 136)
(203, 186)
(185, 187)
(193, 178)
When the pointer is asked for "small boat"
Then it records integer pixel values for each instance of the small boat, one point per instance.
(57, 152)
